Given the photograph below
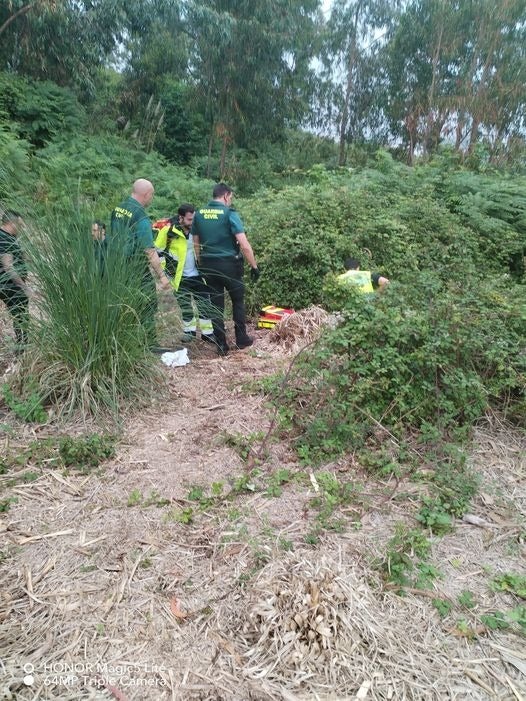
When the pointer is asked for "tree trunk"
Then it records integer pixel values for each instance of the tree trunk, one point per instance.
(459, 131)
(344, 122)
(430, 124)
(210, 147)
(223, 156)
(473, 136)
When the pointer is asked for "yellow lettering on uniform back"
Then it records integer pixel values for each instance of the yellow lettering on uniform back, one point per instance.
(214, 211)
(120, 213)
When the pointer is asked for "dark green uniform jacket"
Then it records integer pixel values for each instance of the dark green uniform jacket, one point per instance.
(217, 225)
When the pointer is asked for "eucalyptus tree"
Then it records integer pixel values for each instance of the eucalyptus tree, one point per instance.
(456, 72)
(13, 10)
(351, 72)
(251, 66)
(66, 41)
(156, 47)
(494, 72)
(422, 60)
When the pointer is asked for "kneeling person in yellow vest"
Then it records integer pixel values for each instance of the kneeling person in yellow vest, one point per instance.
(364, 280)
(176, 249)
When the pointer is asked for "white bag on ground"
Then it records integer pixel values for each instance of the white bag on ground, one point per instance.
(175, 359)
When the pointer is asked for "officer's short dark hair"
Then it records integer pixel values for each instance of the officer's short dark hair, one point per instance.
(10, 215)
(185, 208)
(220, 190)
(351, 264)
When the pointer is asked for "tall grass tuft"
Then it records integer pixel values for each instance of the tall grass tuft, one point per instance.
(88, 350)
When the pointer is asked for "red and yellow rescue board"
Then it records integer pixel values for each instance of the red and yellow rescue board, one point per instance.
(270, 316)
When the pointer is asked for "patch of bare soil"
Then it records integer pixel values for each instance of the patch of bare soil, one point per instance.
(171, 574)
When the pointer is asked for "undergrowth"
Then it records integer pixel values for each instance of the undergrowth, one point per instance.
(83, 453)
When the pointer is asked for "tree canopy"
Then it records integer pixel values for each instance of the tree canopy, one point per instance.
(205, 78)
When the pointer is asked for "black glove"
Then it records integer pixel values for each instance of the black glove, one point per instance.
(254, 274)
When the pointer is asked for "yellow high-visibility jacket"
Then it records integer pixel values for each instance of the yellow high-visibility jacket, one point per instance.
(359, 278)
(172, 245)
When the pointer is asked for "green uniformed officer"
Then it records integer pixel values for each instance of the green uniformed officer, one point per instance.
(220, 246)
(131, 228)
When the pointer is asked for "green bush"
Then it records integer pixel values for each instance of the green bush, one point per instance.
(183, 134)
(15, 176)
(428, 354)
(29, 408)
(86, 451)
(494, 207)
(301, 235)
(104, 175)
(41, 109)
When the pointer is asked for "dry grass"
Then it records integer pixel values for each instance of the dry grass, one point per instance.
(150, 608)
(297, 330)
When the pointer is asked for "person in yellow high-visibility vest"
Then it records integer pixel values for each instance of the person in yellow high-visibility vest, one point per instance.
(363, 280)
(175, 247)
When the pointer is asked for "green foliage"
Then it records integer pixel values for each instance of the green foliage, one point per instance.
(453, 486)
(339, 216)
(86, 451)
(494, 207)
(398, 221)
(503, 620)
(381, 462)
(518, 615)
(134, 498)
(82, 452)
(37, 453)
(434, 516)
(41, 109)
(67, 41)
(5, 504)
(88, 345)
(249, 72)
(182, 138)
(276, 480)
(184, 516)
(407, 552)
(247, 89)
(416, 356)
(443, 606)
(466, 598)
(481, 46)
(331, 495)
(15, 176)
(495, 621)
(510, 582)
(29, 407)
(242, 444)
(103, 177)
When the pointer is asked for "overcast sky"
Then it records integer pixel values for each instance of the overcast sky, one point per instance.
(326, 6)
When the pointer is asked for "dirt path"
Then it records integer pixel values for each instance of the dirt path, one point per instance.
(174, 573)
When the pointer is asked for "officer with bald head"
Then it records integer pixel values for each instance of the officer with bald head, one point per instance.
(131, 226)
